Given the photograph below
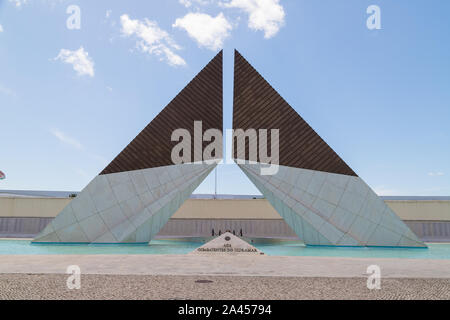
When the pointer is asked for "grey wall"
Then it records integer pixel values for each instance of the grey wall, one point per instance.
(22, 227)
(431, 231)
(250, 228)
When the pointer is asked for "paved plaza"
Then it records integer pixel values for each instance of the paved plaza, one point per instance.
(225, 265)
(225, 276)
(51, 286)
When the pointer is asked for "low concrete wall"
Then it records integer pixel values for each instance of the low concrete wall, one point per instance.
(32, 207)
(22, 227)
(431, 231)
(25, 217)
(421, 210)
(251, 228)
(435, 231)
(410, 210)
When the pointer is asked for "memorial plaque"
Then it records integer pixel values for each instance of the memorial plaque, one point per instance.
(227, 244)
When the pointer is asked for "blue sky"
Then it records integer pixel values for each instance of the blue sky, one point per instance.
(71, 100)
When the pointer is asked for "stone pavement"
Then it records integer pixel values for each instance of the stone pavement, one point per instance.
(220, 265)
(53, 286)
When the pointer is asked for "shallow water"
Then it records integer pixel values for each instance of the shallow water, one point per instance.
(23, 247)
(434, 251)
(286, 248)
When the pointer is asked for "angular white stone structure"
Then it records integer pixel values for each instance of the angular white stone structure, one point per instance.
(331, 209)
(137, 193)
(126, 207)
(320, 197)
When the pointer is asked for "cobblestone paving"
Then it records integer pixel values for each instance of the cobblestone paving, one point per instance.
(28, 286)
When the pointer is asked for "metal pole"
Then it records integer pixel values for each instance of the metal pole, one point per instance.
(215, 185)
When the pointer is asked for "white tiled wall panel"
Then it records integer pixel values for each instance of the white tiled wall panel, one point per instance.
(126, 206)
(331, 209)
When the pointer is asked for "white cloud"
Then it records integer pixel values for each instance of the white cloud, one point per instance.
(1, 28)
(7, 91)
(18, 3)
(189, 3)
(186, 3)
(208, 31)
(80, 60)
(152, 39)
(108, 13)
(263, 15)
(435, 174)
(61, 136)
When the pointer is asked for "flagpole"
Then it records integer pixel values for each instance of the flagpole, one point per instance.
(215, 185)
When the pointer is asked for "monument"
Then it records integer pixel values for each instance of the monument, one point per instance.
(318, 195)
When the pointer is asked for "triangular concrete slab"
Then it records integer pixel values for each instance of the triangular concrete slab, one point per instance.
(319, 196)
(138, 192)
